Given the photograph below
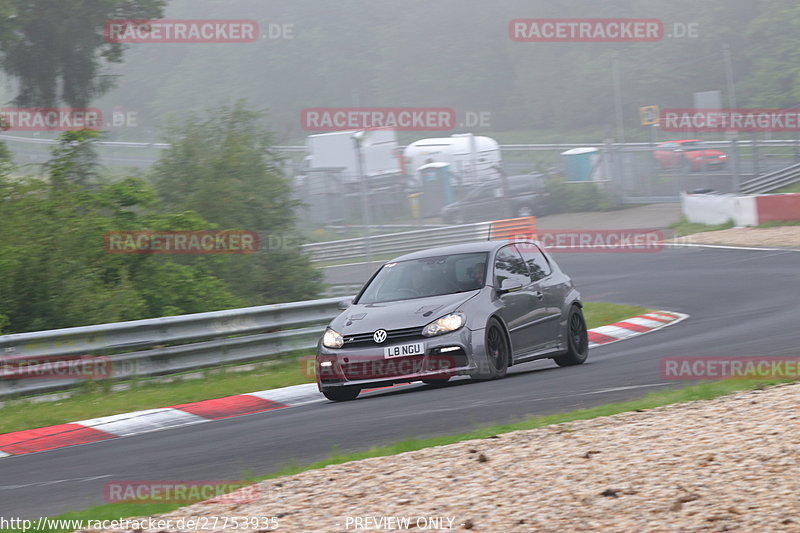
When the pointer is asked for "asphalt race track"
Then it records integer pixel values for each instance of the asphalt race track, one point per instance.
(742, 303)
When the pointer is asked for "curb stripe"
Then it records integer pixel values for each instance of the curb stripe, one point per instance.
(141, 421)
(646, 322)
(657, 318)
(633, 326)
(291, 396)
(220, 408)
(599, 338)
(49, 438)
(616, 332)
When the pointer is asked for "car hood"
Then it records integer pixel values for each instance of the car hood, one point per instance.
(398, 315)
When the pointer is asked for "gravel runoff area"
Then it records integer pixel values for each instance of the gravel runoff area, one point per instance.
(728, 464)
(783, 236)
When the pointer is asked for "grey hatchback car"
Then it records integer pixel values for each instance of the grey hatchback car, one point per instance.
(469, 309)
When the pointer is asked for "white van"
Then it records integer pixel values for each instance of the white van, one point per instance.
(337, 150)
(473, 159)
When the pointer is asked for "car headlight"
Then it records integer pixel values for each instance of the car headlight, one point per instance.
(446, 324)
(332, 339)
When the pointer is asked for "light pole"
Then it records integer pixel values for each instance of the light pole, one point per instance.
(618, 100)
(366, 218)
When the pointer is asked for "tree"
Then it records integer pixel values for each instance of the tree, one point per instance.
(56, 48)
(55, 271)
(223, 167)
(74, 159)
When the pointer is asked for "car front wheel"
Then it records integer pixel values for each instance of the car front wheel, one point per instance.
(577, 340)
(341, 394)
(497, 350)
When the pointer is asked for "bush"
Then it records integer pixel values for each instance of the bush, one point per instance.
(574, 197)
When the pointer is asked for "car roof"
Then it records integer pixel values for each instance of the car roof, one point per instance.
(472, 247)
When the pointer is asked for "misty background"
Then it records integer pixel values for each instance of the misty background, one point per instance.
(458, 54)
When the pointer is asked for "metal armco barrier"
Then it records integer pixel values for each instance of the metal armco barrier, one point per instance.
(772, 181)
(410, 241)
(165, 345)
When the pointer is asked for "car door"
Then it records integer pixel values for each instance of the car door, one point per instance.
(552, 289)
(521, 310)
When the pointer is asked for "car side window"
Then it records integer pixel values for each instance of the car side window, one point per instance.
(537, 263)
(509, 264)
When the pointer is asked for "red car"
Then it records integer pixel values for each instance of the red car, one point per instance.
(690, 154)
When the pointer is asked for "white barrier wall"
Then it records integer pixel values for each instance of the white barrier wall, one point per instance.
(715, 209)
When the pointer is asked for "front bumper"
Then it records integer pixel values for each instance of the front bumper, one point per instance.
(366, 366)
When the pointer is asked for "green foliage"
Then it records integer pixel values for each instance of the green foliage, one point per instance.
(223, 167)
(74, 159)
(220, 174)
(56, 49)
(574, 197)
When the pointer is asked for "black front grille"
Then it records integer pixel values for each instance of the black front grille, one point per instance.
(393, 335)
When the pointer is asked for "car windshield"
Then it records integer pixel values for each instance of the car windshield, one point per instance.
(429, 276)
(695, 145)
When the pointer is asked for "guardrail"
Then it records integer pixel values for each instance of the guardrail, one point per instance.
(162, 345)
(770, 182)
(396, 243)
(410, 241)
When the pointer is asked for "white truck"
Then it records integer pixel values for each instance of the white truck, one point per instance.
(473, 159)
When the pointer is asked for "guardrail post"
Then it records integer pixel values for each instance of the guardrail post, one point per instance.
(736, 182)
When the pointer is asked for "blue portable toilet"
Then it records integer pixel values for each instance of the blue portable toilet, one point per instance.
(579, 163)
(437, 189)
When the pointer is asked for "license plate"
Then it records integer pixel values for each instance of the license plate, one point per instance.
(406, 349)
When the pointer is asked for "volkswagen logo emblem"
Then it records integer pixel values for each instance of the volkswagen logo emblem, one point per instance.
(380, 336)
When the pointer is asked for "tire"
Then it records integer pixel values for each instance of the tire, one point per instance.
(577, 340)
(341, 394)
(498, 350)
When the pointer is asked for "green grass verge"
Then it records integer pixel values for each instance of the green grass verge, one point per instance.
(789, 188)
(779, 223)
(703, 391)
(684, 227)
(96, 399)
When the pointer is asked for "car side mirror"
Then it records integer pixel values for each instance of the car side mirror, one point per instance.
(509, 285)
(344, 304)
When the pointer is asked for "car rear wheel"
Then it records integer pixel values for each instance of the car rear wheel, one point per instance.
(497, 350)
(577, 340)
(341, 394)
